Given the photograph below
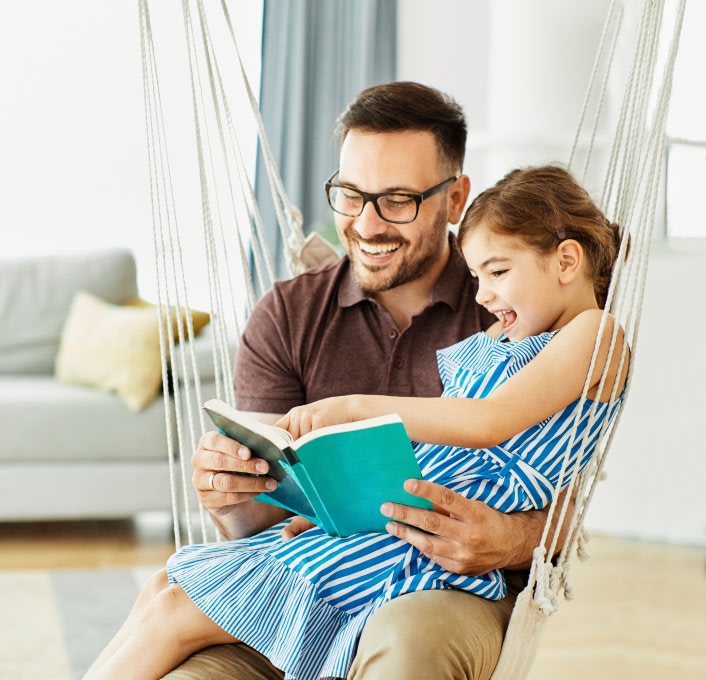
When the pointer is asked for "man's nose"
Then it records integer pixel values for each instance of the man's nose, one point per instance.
(369, 224)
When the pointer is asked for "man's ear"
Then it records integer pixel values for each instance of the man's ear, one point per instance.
(571, 259)
(458, 195)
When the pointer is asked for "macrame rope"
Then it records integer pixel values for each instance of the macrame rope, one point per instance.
(220, 150)
(613, 21)
(289, 217)
(155, 153)
(634, 168)
(628, 194)
(643, 179)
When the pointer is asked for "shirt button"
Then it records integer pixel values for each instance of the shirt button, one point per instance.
(399, 363)
(392, 334)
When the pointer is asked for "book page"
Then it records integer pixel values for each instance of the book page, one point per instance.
(345, 427)
(278, 436)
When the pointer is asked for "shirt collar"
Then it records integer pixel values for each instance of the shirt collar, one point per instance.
(448, 289)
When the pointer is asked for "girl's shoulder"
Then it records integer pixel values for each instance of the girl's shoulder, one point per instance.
(587, 325)
(595, 338)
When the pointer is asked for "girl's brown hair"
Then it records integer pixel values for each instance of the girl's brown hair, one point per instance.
(545, 205)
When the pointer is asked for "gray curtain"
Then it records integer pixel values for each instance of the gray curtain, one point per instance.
(316, 55)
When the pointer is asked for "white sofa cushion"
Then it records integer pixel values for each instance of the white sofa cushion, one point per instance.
(35, 297)
(43, 420)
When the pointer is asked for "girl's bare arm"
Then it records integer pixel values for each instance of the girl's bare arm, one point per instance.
(551, 381)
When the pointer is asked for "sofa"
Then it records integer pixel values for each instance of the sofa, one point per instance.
(83, 436)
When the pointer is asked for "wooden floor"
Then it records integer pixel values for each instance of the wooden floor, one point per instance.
(640, 611)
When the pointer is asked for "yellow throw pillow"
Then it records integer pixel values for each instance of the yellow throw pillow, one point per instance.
(198, 319)
(113, 348)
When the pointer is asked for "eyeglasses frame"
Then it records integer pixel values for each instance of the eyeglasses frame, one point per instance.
(418, 198)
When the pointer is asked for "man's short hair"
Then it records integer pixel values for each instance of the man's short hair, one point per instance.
(400, 106)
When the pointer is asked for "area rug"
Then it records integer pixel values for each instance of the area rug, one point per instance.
(53, 624)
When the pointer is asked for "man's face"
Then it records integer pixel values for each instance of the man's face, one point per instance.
(385, 255)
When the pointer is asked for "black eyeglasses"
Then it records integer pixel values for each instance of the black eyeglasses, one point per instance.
(398, 207)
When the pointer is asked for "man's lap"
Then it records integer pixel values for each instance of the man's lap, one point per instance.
(466, 633)
(226, 662)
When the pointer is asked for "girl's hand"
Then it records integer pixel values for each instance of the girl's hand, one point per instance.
(331, 411)
(297, 526)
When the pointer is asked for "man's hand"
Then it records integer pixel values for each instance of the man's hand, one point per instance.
(222, 473)
(225, 493)
(464, 536)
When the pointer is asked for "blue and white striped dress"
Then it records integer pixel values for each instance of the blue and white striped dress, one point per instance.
(303, 603)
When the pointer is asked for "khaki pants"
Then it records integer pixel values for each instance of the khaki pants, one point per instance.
(432, 634)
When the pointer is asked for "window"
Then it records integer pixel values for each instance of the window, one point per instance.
(685, 182)
(685, 174)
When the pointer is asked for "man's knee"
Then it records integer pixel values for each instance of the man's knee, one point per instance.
(226, 662)
(465, 633)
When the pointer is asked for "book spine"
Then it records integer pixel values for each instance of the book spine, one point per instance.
(290, 454)
(306, 485)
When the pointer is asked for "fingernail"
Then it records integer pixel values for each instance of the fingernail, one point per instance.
(386, 509)
(410, 485)
(392, 528)
(271, 484)
(261, 466)
(243, 453)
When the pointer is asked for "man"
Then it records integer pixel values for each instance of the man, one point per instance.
(371, 323)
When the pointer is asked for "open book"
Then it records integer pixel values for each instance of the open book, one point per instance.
(337, 476)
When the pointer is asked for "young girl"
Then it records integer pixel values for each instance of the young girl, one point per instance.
(543, 254)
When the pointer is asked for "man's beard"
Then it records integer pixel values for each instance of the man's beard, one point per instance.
(413, 266)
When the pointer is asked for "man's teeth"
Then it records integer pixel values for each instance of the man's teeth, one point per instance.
(378, 249)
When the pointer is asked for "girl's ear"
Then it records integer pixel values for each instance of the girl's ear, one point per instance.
(571, 259)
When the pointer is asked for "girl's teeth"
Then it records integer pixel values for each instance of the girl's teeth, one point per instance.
(507, 317)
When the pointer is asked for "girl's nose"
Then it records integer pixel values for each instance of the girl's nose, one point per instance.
(484, 295)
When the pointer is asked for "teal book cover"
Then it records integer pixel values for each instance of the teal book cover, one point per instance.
(337, 476)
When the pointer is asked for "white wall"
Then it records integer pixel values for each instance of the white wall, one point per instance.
(73, 165)
(520, 70)
(657, 468)
(73, 145)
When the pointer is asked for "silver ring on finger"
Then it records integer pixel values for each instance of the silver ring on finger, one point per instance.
(210, 481)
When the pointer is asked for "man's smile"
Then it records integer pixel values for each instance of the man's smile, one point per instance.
(378, 248)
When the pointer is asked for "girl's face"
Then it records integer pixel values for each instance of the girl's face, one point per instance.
(515, 283)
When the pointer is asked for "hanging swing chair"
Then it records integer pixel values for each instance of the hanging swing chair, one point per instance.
(237, 260)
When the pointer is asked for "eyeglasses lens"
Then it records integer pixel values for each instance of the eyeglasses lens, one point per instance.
(392, 207)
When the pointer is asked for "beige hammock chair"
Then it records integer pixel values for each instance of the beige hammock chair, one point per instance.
(238, 263)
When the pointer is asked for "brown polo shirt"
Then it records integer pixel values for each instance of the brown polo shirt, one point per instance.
(318, 335)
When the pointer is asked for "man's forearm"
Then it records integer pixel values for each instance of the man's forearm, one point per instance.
(524, 532)
(247, 519)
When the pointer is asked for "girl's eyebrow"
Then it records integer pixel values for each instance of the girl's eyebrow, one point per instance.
(494, 259)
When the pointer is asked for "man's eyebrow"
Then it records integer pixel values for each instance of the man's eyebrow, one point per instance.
(388, 190)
